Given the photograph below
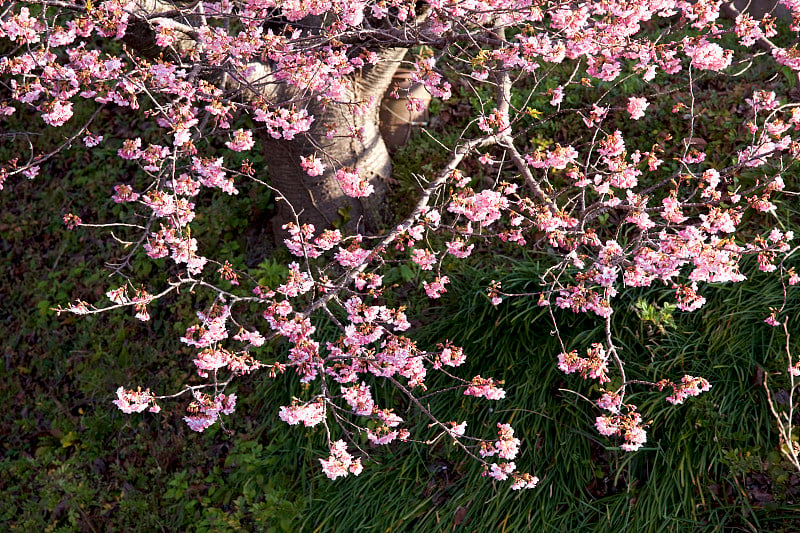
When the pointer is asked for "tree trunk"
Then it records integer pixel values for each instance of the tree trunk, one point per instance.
(319, 200)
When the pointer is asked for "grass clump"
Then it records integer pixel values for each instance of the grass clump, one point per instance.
(709, 465)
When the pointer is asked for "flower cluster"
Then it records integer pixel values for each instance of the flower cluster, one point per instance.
(204, 411)
(486, 388)
(130, 401)
(629, 426)
(689, 386)
(340, 463)
(352, 184)
(594, 365)
(310, 414)
(506, 446)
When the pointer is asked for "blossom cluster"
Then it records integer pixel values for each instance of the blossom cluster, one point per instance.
(130, 401)
(628, 425)
(204, 411)
(340, 463)
(594, 365)
(688, 387)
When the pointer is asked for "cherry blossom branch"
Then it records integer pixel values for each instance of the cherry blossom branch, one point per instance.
(459, 153)
(44, 157)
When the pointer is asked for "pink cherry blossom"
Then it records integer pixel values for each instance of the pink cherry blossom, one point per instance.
(352, 184)
(709, 56)
(57, 113)
(340, 463)
(242, 140)
(130, 401)
(636, 107)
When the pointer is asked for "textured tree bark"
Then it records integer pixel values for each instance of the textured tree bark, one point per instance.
(758, 8)
(319, 200)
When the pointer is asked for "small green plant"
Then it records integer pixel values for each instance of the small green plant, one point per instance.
(271, 272)
(658, 317)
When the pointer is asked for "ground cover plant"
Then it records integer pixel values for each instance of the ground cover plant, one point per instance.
(553, 166)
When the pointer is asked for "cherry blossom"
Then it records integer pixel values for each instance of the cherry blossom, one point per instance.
(137, 401)
(340, 463)
(636, 107)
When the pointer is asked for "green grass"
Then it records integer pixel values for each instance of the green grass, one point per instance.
(691, 476)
